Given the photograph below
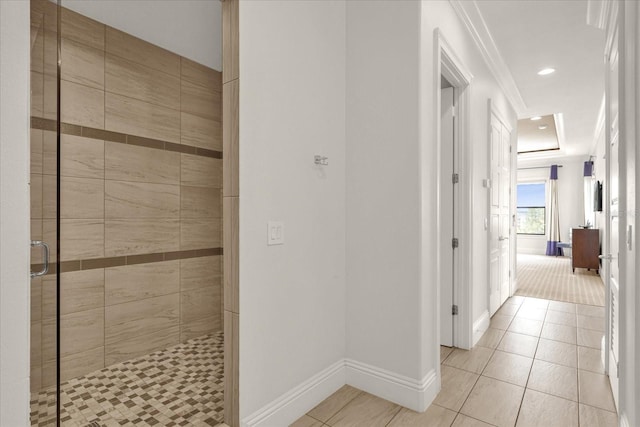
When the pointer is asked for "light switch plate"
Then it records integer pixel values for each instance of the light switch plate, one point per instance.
(275, 233)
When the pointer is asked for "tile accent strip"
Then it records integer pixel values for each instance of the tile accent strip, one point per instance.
(91, 264)
(87, 132)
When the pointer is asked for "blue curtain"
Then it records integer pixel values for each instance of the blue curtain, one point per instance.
(554, 218)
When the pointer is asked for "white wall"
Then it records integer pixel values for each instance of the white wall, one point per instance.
(14, 213)
(383, 186)
(292, 93)
(570, 200)
(439, 14)
(190, 28)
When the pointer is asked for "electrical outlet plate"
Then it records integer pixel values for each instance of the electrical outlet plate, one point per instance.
(275, 233)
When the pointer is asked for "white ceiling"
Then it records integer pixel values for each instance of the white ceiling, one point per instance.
(535, 34)
(537, 135)
(190, 28)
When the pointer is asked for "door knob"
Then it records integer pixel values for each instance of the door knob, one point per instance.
(501, 238)
(608, 257)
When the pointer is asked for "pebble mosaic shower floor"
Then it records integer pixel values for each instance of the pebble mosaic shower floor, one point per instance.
(179, 386)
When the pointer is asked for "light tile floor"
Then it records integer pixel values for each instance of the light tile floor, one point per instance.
(538, 364)
(178, 386)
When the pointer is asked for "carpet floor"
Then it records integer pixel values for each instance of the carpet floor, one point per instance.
(551, 278)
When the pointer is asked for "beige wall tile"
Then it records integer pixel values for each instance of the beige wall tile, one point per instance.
(82, 64)
(201, 75)
(49, 153)
(81, 105)
(49, 192)
(35, 139)
(48, 374)
(50, 65)
(203, 272)
(37, 94)
(138, 81)
(141, 236)
(128, 200)
(82, 363)
(200, 202)
(48, 298)
(230, 40)
(142, 52)
(81, 198)
(36, 234)
(81, 238)
(80, 157)
(50, 102)
(231, 230)
(199, 100)
(134, 117)
(48, 340)
(141, 164)
(230, 138)
(79, 28)
(136, 282)
(199, 303)
(37, 45)
(200, 327)
(200, 132)
(137, 346)
(143, 317)
(201, 171)
(35, 191)
(36, 299)
(78, 332)
(81, 290)
(36, 356)
(200, 233)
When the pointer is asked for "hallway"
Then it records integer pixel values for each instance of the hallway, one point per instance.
(537, 365)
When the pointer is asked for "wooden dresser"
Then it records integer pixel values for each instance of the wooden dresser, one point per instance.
(585, 248)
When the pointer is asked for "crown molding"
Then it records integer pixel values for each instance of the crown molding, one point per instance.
(470, 15)
(598, 12)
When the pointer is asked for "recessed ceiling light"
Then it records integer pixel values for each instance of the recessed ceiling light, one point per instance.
(543, 127)
(535, 118)
(546, 71)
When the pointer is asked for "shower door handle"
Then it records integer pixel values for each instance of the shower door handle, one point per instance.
(45, 257)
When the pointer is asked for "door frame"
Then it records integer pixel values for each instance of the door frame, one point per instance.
(448, 64)
(629, 96)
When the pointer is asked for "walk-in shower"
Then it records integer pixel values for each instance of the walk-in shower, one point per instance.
(126, 191)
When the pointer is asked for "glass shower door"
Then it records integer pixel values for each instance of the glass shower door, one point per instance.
(44, 213)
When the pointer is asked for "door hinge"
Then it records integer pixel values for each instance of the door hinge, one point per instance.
(509, 273)
(617, 369)
(454, 310)
(510, 149)
(455, 178)
(455, 242)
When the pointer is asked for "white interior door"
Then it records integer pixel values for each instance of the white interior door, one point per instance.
(504, 237)
(446, 215)
(613, 278)
(499, 202)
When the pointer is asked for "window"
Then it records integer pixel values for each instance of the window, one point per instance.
(531, 208)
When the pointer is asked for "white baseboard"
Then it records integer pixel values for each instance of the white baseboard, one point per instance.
(407, 392)
(292, 405)
(480, 326)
